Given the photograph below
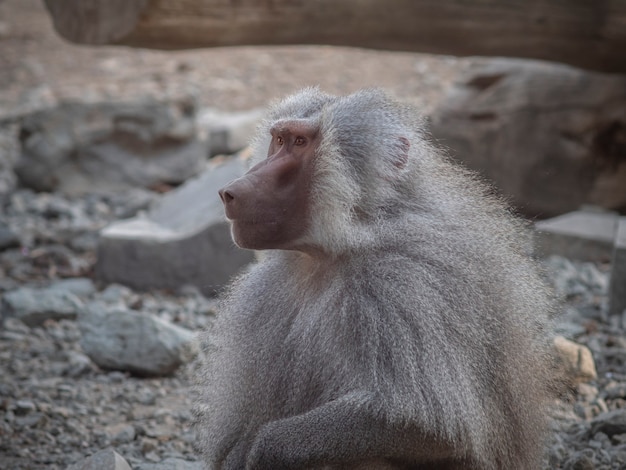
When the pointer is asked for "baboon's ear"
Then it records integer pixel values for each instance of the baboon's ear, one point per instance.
(401, 152)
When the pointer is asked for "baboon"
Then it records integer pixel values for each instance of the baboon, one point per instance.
(396, 322)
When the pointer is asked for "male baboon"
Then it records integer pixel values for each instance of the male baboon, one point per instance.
(396, 322)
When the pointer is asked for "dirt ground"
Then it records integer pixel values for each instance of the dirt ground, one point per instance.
(38, 69)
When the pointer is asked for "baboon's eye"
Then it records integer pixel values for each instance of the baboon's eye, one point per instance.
(300, 141)
(279, 140)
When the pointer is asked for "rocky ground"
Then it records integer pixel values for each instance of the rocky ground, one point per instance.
(56, 404)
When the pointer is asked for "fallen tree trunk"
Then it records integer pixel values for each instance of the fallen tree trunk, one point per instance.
(583, 33)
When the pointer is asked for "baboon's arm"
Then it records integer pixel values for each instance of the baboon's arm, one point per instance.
(350, 429)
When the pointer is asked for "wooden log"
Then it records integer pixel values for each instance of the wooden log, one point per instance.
(583, 33)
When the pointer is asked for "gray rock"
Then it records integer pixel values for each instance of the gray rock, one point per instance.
(172, 464)
(8, 238)
(615, 391)
(583, 235)
(547, 134)
(78, 364)
(617, 294)
(183, 240)
(121, 433)
(79, 286)
(23, 407)
(580, 461)
(121, 339)
(228, 133)
(81, 147)
(610, 423)
(115, 294)
(34, 306)
(106, 459)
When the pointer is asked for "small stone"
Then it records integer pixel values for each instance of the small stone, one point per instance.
(23, 407)
(619, 438)
(115, 293)
(106, 459)
(148, 445)
(610, 423)
(579, 462)
(576, 360)
(8, 238)
(122, 434)
(121, 339)
(615, 390)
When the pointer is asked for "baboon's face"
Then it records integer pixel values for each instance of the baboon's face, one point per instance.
(269, 207)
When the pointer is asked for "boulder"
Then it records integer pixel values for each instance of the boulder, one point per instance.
(583, 235)
(80, 147)
(228, 133)
(120, 339)
(34, 306)
(183, 240)
(551, 137)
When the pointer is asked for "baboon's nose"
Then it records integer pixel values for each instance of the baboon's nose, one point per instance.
(226, 196)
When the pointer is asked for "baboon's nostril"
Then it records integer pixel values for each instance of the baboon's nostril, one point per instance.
(226, 196)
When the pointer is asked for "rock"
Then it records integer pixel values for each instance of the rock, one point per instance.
(172, 464)
(121, 433)
(615, 391)
(106, 459)
(183, 240)
(34, 306)
(81, 147)
(617, 289)
(78, 364)
(79, 286)
(121, 339)
(580, 461)
(583, 235)
(116, 294)
(576, 361)
(610, 423)
(23, 407)
(551, 137)
(8, 238)
(228, 133)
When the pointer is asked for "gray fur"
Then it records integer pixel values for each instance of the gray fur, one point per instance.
(414, 335)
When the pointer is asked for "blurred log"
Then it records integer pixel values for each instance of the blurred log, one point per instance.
(583, 33)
